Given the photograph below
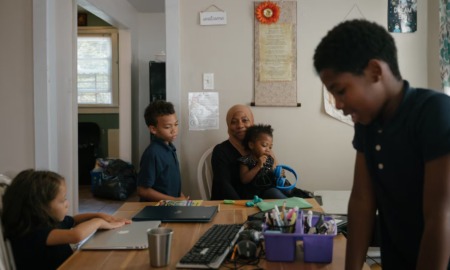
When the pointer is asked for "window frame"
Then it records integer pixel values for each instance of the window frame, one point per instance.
(102, 32)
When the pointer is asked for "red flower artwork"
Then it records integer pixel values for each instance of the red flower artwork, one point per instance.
(267, 12)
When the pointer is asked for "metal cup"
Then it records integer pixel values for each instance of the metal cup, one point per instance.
(159, 245)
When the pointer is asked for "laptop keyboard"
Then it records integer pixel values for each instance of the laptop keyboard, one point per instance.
(212, 248)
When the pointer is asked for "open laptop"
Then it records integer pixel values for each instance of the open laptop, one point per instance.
(177, 213)
(130, 236)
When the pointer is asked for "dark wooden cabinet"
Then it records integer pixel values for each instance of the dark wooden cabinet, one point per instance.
(157, 80)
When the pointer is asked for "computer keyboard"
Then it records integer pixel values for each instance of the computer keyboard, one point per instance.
(212, 248)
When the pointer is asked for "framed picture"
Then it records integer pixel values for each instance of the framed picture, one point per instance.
(82, 19)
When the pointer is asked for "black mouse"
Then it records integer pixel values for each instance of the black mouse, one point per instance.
(246, 249)
(254, 225)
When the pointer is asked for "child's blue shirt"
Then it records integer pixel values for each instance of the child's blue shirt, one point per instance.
(159, 168)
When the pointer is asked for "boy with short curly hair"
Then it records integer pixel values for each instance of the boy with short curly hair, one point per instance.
(159, 177)
(402, 142)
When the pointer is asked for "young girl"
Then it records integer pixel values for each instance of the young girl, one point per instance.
(34, 220)
(256, 169)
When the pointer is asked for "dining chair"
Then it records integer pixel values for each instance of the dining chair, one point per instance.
(6, 255)
(204, 174)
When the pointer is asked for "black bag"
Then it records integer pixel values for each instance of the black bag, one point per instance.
(113, 179)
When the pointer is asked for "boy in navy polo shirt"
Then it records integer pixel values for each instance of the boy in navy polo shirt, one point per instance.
(159, 176)
(402, 142)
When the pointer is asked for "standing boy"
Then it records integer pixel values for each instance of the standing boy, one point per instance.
(159, 176)
(402, 139)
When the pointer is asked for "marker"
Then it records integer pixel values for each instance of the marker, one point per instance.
(285, 219)
(268, 220)
(306, 225)
(276, 217)
(319, 222)
(309, 216)
(331, 226)
(289, 214)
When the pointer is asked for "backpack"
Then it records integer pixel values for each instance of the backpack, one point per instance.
(113, 179)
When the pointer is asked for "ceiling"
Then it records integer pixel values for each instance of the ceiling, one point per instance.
(148, 6)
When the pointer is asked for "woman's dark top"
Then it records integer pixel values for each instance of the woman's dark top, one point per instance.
(226, 179)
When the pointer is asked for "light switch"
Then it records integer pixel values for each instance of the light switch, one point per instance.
(208, 81)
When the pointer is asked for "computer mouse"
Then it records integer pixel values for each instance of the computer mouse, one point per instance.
(246, 249)
(252, 235)
(254, 225)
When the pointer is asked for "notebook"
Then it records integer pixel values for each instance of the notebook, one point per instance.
(177, 213)
(130, 236)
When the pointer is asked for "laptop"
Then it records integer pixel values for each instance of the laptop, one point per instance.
(129, 236)
(177, 213)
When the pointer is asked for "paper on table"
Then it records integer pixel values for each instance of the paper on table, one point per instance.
(290, 202)
(179, 203)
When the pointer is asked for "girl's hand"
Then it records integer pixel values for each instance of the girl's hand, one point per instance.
(110, 218)
(262, 159)
(106, 217)
(112, 224)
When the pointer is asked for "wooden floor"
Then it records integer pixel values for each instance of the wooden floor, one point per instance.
(88, 203)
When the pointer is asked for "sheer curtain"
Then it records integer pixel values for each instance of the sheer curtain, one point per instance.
(444, 46)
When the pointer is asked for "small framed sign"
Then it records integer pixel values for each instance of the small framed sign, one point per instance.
(213, 18)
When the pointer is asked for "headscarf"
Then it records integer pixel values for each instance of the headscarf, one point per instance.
(231, 112)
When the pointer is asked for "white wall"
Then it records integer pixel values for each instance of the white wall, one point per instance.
(16, 87)
(152, 40)
(434, 73)
(315, 145)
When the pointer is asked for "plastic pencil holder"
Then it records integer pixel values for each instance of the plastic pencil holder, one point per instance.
(283, 229)
(281, 246)
(318, 248)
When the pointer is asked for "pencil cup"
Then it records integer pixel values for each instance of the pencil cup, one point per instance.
(159, 245)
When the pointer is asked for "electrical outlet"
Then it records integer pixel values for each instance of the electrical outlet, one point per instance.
(208, 81)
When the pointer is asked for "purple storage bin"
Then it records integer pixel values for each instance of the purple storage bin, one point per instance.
(318, 248)
(281, 247)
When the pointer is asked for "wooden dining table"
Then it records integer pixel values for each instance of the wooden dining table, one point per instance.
(185, 235)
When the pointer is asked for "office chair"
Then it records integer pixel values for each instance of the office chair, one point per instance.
(204, 174)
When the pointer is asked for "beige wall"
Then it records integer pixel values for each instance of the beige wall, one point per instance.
(315, 145)
(16, 87)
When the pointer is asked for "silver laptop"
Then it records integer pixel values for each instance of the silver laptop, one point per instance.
(130, 236)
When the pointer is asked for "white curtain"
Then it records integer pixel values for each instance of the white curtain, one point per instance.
(444, 45)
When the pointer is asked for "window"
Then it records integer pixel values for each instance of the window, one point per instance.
(97, 67)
